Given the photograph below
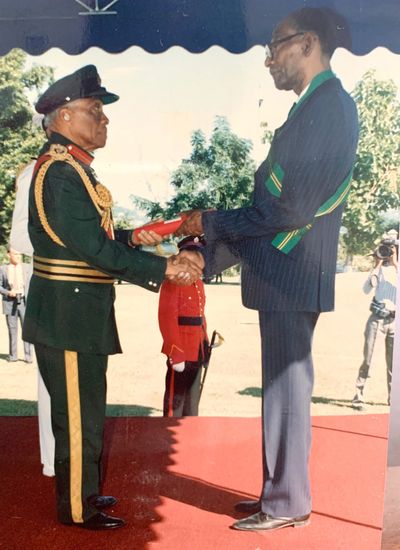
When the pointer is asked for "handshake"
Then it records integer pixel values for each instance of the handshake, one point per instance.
(187, 266)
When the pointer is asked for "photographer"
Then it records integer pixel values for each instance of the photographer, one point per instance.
(382, 280)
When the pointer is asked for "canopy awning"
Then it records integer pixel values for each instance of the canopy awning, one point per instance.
(196, 25)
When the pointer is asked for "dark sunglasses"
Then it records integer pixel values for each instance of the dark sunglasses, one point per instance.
(269, 48)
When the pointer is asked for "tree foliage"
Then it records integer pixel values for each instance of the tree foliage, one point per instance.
(375, 187)
(218, 174)
(18, 141)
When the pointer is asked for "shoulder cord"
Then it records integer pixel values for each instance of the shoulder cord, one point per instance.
(100, 195)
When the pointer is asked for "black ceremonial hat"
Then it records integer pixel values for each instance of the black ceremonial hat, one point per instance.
(191, 243)
(83, 83)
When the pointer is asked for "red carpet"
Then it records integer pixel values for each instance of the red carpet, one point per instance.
(177, 482)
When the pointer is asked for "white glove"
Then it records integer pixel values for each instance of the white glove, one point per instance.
(179, 367)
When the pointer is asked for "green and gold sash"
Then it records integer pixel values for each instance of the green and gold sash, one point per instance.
(287, 240)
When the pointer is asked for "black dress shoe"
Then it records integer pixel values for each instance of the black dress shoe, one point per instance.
(264, 522)
(101, 522)
(102, 502)
(248, 506)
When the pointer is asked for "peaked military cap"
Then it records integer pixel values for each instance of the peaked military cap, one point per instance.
(191, 243)
(83, 83)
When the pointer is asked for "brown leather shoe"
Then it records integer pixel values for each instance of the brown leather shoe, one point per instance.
(264, 522)
(102, 502)
(248, 506)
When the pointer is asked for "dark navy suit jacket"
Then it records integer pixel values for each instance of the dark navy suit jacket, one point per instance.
(312, 153)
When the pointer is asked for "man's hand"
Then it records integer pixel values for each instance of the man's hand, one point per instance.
(378, 262)
(193, 256)
(148, 238)
(192, 225)
(184, 269)
(12, 293)
(179, 367)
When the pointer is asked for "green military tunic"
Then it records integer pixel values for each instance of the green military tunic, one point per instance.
(70, 311)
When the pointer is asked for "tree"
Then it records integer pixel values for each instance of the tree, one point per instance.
(375, 187)
(268, 135)
(216, 175)
(18, 142)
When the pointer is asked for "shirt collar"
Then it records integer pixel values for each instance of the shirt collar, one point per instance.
(303, 92)
(314, 84)
(77, 152)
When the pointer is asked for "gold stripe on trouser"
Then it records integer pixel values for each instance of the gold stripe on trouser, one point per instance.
(75, 434)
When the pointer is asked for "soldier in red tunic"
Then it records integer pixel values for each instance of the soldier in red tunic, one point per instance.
(183, 328)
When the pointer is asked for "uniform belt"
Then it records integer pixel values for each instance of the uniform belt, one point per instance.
(380, 310)
(68, 270)
(191, 321)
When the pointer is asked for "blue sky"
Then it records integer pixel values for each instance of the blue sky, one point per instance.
(164, 97)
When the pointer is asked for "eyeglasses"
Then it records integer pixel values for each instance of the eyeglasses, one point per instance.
(271, 47)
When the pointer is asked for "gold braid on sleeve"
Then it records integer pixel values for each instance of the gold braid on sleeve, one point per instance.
(100, 195)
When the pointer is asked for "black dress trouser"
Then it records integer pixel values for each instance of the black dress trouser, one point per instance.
(182, 390)
(77, 386)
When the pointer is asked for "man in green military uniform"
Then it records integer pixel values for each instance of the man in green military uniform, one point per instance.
(70, 314)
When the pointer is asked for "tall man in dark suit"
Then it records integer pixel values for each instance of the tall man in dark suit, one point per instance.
(286, 243)
(14, 283)
(70, 312)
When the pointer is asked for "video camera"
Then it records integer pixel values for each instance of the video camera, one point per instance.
(386, 248)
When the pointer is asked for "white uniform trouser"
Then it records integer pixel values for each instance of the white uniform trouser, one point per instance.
(19, 240)
(46, 437)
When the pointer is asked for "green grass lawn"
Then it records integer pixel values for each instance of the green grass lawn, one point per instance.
(20, 407)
